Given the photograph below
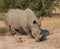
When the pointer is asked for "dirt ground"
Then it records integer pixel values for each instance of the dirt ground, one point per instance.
(50, 28)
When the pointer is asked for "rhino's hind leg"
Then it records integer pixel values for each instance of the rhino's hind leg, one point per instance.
(12, 31)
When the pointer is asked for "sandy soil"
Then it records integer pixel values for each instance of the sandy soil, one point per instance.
(49, 26)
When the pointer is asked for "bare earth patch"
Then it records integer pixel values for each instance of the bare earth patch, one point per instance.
(9, 42)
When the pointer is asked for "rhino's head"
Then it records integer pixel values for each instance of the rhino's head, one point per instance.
(36, 30)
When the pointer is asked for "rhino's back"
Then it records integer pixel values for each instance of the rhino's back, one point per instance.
(16, 18)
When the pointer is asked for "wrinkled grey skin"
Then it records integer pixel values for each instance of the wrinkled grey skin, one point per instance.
(16, 18)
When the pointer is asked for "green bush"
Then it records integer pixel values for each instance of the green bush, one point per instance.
(1, 16)
(40, 7)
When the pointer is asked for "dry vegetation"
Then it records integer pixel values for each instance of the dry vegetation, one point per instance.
(52, 25)
(1, 15)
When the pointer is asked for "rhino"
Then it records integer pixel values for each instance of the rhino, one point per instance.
(26, 19)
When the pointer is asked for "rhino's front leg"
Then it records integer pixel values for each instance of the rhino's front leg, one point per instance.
(28, 32)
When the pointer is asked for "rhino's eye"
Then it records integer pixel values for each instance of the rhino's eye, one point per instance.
(34, 22)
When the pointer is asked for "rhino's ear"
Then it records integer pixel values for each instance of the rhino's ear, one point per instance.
(34, 22)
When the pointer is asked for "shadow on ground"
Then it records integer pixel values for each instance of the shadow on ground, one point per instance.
(3, 31)
(45, 33)
(21, 31)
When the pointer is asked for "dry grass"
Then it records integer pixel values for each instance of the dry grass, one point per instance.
(53, 26)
